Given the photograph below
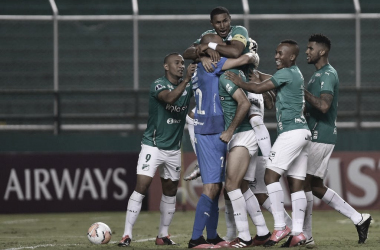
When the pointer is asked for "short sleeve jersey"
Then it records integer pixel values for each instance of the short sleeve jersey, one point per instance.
(229, 105)
(166, 121)
(237, 33)
(323, 126)
(208, 117)
(290, 99)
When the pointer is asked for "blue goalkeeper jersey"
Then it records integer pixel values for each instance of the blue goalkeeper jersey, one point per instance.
(208, 118)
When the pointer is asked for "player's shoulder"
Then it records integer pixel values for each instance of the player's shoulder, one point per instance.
(160, 83)
(329, 72)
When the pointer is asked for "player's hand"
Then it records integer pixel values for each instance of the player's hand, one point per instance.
(208, 64)
(234, 78)
(226, 136)
(253, 58)
(200, 50)
(190, 71)
(254, 76)
(214, 55)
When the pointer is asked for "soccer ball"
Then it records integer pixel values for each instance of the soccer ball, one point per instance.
(99, 233)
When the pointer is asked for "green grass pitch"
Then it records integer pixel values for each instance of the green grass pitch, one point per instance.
(331, 230)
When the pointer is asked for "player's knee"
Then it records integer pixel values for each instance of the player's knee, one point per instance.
(318, 191)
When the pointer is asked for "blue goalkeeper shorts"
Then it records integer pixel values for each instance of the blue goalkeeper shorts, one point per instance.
(211, 154)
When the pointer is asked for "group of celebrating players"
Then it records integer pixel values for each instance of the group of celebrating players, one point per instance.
(230, 95)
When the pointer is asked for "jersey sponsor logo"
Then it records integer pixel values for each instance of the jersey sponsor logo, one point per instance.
(159, 86)
(174, 108)
(254, 101)
(300, 120)
(318, 74)
(184, 93)
(322, 83)
(196, 122)
(280, 126)
(173, 121)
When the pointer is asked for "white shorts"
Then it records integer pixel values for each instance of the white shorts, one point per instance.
(245, 139)
(257, 104)
(168, 162)
(319, 156)
(258, 184)
(290, 152)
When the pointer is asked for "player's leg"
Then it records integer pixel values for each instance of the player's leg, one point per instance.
(211, 154)
(190, 126)
(285, 151)
(149, 159)
(259, 188)
(229, 216)
(253, 206)
(237, 159)
(330, 197)
(296, 179)
(307, 224)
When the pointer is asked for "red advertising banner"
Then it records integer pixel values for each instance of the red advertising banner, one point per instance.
(72, 182)
(355, 176)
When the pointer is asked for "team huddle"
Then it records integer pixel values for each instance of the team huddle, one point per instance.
(233, 145)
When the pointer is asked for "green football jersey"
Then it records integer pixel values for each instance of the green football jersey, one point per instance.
(290, 100)
(323, 126)
(238, 33)
(166, 122)
(229, 105)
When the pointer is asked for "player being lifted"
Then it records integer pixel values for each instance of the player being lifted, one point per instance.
(169, 99)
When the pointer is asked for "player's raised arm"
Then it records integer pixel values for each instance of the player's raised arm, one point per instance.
(249, 58)
(171, 97)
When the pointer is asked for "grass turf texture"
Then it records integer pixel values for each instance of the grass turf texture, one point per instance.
(331, 230)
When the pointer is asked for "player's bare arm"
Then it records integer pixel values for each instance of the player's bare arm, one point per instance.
(243, 106)
(322, 103)
(257, 76)
(171, 97)
(190, 53)
(248, 58)
(254, 87)
(268, 99)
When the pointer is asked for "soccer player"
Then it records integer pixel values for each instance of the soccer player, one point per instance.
(321, 112)
(289, 152)
(169, 99)
(210, 150)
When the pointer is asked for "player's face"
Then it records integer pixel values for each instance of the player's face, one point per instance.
(221, 24)
(312, 53)
(283, 56)
(175, 65)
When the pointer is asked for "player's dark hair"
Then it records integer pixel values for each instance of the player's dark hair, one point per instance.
(169, 55)
(294, 43)
(219, 10)
(320, 38)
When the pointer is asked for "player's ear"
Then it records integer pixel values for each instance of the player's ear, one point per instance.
(166, 66)
(293, 57)
(322, 52)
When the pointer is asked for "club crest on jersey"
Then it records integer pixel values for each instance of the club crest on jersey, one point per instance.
(322, 84)
(318, 74)
(315, 135)
(145, 167)
(272, 154)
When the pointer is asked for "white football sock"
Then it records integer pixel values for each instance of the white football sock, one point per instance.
(298, 206)
(276, 195)
(240, 214)
(307, 224)
(190, 128)
(288, 219)
(167, 209)
(254, 211)
(230, 220)
(262, 134)
(336, 202)
(133, 211)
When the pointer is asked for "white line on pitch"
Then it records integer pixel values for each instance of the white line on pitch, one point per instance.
(37, 246)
